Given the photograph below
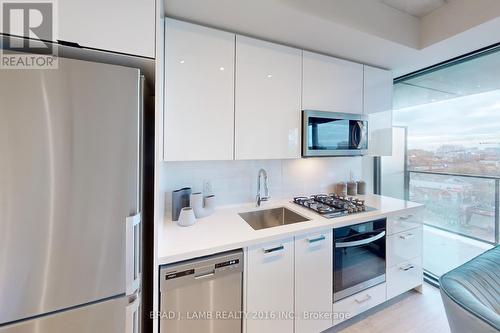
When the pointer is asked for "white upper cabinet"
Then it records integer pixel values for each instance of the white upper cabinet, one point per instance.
(378, 87)
(234, 97)
(331, 84)
(126, 26)
(199, 96)
(267, 105)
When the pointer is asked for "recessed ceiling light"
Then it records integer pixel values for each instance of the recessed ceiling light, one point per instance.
(222, 68)
(269, 75)
(182, 61)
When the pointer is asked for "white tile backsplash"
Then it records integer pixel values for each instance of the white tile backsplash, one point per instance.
(235, 182)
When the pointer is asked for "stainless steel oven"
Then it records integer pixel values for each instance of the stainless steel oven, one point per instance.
(333, 134)
(358, 258)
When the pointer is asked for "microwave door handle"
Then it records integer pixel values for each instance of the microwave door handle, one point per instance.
(354, 136)
(362, 134)
(361, 241)
(314, 135)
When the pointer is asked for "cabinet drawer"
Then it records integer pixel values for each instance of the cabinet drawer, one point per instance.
(356, 304)
(404, 246)
(404, 276)
(270, 287)
(404, 222)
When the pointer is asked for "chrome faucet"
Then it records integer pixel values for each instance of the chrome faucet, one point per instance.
(266, 196)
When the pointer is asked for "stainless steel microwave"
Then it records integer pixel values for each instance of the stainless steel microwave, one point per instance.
(333, 134)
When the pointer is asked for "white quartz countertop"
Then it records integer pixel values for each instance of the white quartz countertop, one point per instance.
(225, 230)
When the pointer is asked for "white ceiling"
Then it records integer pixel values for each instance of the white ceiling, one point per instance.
(417, 8)
(367, 31)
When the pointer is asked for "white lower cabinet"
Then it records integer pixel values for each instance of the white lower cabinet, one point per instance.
(404, 276)
(404, 252)
(270, 287)
(403, 246)
(313, 282)
(404, 221)
(358, 303)
(289, 283)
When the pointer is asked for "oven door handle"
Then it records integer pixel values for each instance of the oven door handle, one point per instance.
(360, 242)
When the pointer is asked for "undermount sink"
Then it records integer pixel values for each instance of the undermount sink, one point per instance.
(268, 218)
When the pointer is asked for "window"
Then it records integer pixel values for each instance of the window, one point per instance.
(447, 156)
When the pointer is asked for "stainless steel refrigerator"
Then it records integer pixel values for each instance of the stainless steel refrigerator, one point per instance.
(70, 199)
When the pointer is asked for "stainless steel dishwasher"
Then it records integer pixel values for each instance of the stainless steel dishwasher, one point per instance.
(202, 295)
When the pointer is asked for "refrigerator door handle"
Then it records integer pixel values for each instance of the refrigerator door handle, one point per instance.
(133, 254)
(132, 320)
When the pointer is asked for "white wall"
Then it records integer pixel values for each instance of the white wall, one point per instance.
(236, 181)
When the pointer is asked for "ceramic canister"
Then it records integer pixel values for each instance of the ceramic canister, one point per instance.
(202, 206)
(186, 217)
(341, 189)
(180, 199)
(352, 188)
(361, 187)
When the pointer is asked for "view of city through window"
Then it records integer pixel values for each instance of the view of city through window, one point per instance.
(459, 136)
(451, 122)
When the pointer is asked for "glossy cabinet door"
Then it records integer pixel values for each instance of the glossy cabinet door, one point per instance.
(125, 26)
(404, 276)
(199, 96)
(377, 104)
(404, 221)
(269, 283)
(267, 105)
(331, 84)
(404, 246)
(313, 282)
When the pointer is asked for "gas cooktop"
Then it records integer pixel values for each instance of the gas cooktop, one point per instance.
(333, 205)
